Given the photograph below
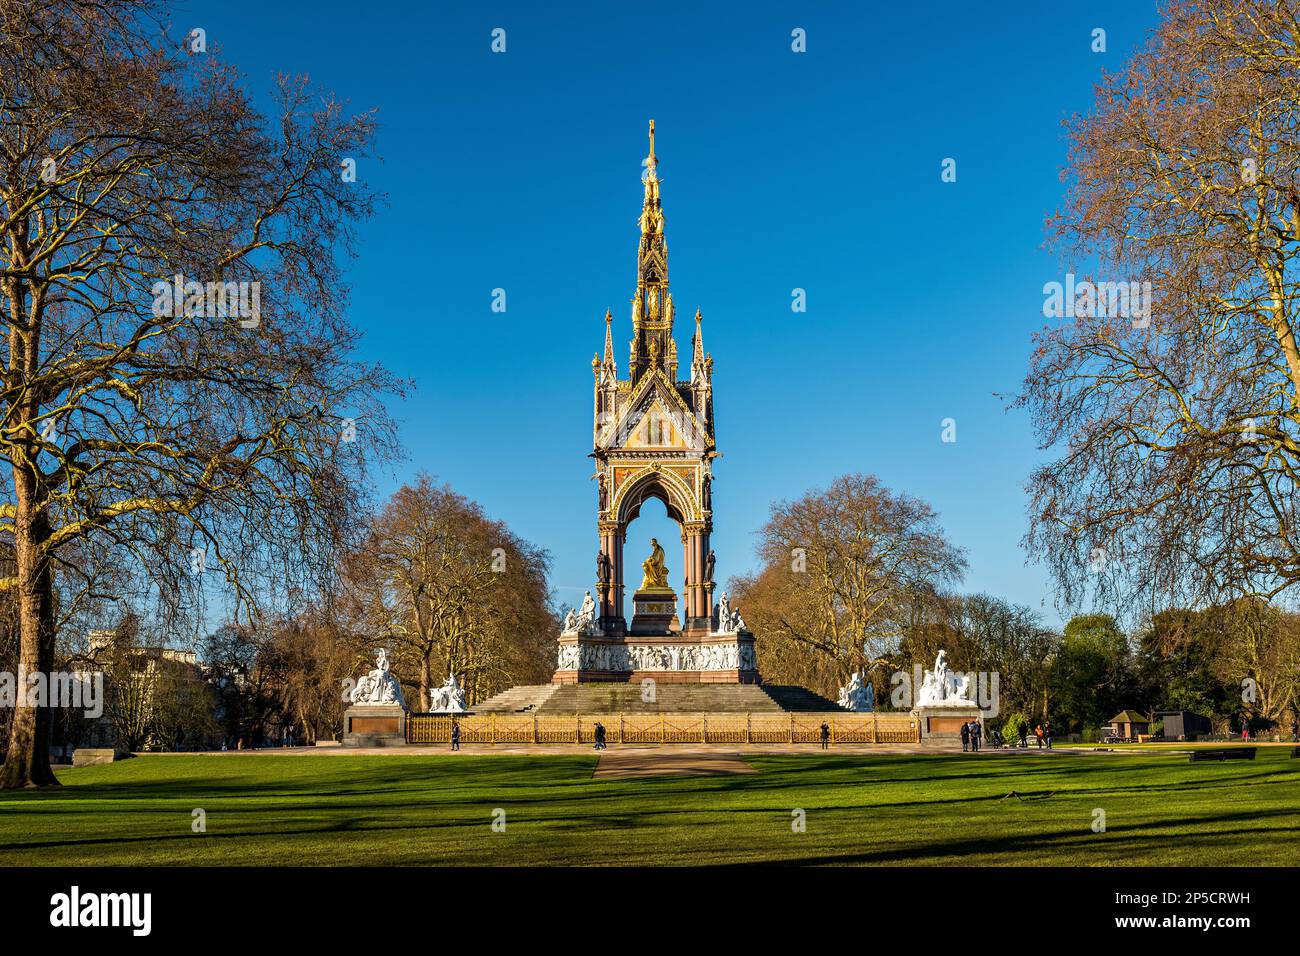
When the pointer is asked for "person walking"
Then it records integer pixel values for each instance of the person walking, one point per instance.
(1024, 736)
(455, 734)
(965, 737)
(975, 732)
(1047, 734)
(1295, 730)
(1038, 733)
(826, 735)
(600, 736)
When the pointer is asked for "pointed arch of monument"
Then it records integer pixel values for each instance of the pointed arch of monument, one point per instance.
(677, 498)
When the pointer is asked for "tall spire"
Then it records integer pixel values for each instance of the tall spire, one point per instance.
(697, 350)
(652, 306)
(701, 366)
(608, 365)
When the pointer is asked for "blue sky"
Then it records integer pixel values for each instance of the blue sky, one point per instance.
(818, 170)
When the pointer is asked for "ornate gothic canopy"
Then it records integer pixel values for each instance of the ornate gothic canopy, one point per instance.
(653, 434)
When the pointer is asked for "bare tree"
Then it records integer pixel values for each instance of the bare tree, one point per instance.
(311, 655)
(981, 632)
(179, 387)
(131, 687)
(242, 669)
(183, 716)
(454, 591)
(9, 639)
(842, 568)
(1262, 658)
(1176, 434)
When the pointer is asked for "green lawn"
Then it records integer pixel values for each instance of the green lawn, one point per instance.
(897, 809)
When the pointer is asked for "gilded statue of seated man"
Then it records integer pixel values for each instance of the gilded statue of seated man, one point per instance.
(656, 572)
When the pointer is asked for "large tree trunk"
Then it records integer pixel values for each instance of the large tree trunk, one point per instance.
(425, 679)
(27, 762)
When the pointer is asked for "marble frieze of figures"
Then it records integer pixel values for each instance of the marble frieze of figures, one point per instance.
(658, 657)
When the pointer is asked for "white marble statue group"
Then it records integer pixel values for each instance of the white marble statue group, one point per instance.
(658, 657)
(728, 618)
(582, 620)
(447, 699)
(944, 687)
(858, 695)
(379, 686)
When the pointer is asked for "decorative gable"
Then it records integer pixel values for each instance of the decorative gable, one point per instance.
(655, 418)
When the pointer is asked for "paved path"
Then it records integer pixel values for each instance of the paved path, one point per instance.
(556, 750)
(484, 750)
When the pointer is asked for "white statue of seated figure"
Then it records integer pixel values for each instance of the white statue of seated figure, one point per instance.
(379, 686)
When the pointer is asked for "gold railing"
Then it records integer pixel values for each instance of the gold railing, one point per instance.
(889, 728)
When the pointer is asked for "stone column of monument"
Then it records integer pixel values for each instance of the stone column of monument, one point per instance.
(686, 582)
(697, 611)
(620, 578)
(611, 595)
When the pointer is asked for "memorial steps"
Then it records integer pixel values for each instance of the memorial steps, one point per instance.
(525, 698)
(794, 699)
(616, 698)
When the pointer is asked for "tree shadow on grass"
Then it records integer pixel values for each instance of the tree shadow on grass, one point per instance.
(1135, 839)
(398, 786)
(422, 774)
(1048, 778)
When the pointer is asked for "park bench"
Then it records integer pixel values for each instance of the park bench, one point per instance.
(1231, 753)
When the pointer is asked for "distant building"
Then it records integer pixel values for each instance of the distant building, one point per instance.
(100, 641)
(1183, 724)
(1128, 724)
(157, 696)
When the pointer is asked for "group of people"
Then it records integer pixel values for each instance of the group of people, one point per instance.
(455, 735)
(1042, 735)
(972, 733)
(1247, 735)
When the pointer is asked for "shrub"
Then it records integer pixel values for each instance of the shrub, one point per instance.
(1011, 726)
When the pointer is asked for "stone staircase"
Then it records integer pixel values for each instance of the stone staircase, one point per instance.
(799, 699)
(618, 698)
(523, 699)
